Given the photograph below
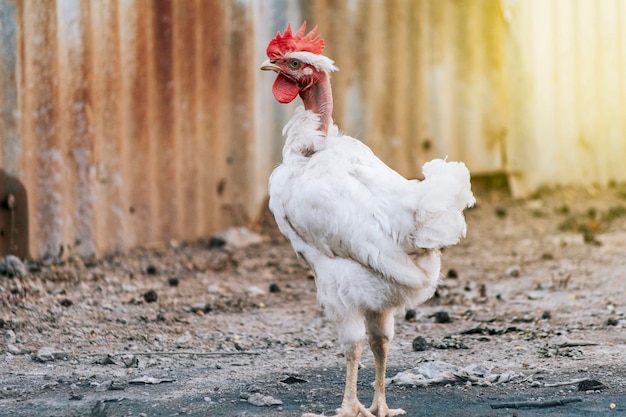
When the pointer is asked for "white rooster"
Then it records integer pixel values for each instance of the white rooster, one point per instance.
(371, 237)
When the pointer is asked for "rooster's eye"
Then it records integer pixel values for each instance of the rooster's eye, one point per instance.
(295, 64)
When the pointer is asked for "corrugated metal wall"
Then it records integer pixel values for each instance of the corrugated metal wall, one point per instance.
(566, 77)
(128, 122)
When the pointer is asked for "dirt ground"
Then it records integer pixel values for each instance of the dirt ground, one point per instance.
(538, 290)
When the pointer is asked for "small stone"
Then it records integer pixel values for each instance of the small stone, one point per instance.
(513, 271)
(237, 237)
(149, 380)
(12, 267)
(612, 321)
(546, 315)
(500, 212)
(66, 302)
(106, 360)
(47, 354)
(442, 317)
(184, 339)
(10, 337)
(76, 397)
(420, 344)
(150, 296)
(14, 350)
(130, 361)
(104, 386)
(293, 380)
(260, 400)
(216, 242)
(152, 270)
(274, 288)
(453, 274)
(173, 282)
(254, 291)
(590, 385)
(410, 315)
(117, 386)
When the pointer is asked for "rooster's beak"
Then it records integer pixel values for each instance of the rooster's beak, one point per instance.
(269, 66)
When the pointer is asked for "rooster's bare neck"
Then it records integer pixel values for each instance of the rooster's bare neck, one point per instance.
(319, 99)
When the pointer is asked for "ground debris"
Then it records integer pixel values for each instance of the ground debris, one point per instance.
(259, 400)
(148, 380)
(237, 238)
(293, 380)
(490, 331)
(442, 317)
(48, 354)
(105, 360)
(590, 385)
(537, 404)
(437, 372)
(420, 344)
(449, 342)
(549, 351)
(11, 267)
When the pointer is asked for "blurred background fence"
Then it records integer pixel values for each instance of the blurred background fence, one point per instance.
(130, 122)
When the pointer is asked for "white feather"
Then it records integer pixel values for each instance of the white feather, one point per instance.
(371, 236)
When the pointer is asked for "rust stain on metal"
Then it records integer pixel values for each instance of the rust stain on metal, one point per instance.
(129, 122)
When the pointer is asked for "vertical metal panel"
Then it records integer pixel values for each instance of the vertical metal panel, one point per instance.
(41, 141)
(129, 122)
(13, 216)
(566, 67)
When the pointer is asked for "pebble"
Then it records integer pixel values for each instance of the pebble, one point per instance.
(66, 302)
(104, 386)
(152, 270)
(420, 344)
(14, 350)
(184, 339)
(453, 274)
(150, 296)
(513, 271)
(216, 242)
(237, 237)
(274, 288)
(260, 400)
(590, 385)
(47, 354)
(12, 267)
(410, 315)
(173, 282)
(442, 317)
(254, 290)
(10, 337)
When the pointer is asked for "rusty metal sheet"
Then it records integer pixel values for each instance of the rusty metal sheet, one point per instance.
(130, 122)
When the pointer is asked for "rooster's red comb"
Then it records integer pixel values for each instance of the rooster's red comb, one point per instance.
(288, 42)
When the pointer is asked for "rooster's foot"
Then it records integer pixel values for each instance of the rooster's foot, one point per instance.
(390, 412)
(356, 410)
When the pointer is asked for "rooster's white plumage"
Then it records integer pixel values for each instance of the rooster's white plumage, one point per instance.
(371, 237)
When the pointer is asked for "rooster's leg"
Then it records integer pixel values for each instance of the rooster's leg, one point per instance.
(351, 335)
(380, 327)
(350, 406)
